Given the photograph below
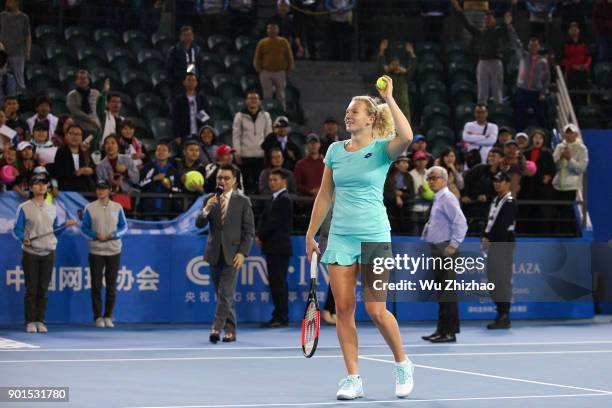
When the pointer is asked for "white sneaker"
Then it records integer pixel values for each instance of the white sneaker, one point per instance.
(351, 388)
(31, 328)
(40, 326)
(100, 322)
(404, 381)
(108, 322)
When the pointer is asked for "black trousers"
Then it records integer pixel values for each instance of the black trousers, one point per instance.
(448, 311)
(107, 266)
(251, 167)
(277, 276)
(37, 271)
(499, 272)
(566, 223)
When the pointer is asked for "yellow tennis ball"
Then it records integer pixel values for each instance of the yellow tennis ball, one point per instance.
(192, 179)
(381, 83)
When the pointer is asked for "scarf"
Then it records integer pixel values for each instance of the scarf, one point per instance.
(535, 154)
(85, 106)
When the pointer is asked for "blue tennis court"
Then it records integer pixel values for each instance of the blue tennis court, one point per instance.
(543, 364)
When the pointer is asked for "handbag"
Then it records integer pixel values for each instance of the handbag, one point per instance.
(122, 199)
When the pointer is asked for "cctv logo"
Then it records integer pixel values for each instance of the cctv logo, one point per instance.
(193, 271)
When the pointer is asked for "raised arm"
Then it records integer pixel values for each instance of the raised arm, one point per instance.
(403, 129)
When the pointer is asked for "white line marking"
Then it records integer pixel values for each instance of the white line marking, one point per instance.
(276, 357)
(12, 345)
(395, 401)
(576, 343)
(494, 376)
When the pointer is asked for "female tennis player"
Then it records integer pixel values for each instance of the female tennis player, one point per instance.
(356, 169)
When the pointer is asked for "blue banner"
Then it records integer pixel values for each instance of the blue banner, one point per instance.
(164, 278)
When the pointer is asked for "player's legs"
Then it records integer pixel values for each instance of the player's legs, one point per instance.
(343, 280)
(388, 327)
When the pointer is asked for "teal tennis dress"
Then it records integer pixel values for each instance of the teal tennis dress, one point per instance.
(359, 213)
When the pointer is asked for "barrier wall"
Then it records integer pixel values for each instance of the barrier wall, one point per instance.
(163, 278)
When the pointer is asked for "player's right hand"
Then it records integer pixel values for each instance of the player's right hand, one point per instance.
(311, 246)
(26, 242)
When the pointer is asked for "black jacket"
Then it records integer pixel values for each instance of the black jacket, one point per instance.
(271, 141)
(63, 171)
(489, 42)
(182, 169)
(505, 219)
(479, 180)
(177, 63)
(275, 226)
(181, 117)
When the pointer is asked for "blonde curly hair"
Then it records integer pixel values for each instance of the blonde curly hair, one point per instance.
(383, 126)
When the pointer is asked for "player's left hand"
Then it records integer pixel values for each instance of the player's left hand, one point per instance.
(238, 260)
(387, 93)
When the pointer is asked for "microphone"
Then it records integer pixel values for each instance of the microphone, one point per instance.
(218, 192)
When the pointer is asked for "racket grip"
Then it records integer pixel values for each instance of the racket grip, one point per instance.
(314, 264)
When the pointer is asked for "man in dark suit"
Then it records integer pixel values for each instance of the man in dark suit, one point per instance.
(498, 239)
(274, 237)
(189, 110)
(72, 165)
(230, 236)
(183, 57)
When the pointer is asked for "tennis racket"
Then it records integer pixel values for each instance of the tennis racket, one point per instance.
(61, 227)
(312, 314)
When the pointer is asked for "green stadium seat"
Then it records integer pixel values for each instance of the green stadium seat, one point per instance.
(602, 74)
(121, 59)
(228, 91)
(207, 56)
(212, 68)
(590, 117)
(150, 105)
(162, 129)
(39, 83)
(251, 81)
(129, 35)
(216, 102)
(436, 114)
(431, 92)
(292, 94)
(460, 71)
(440, 133)
(244, 42)
(430, 71)
(158, 37)
(221, 79)
(220, 44)
(67, 75)
(77, 31)
(102, 33)
(142, 129)
(55, 94)
(429, 56)
(77, 42)
(236, 104)
(36, 54)
(270, 104)
(135, 82)
(109, 43)
(463, 92)
(427, 46)
(223, 126)
(275, 113)
(99, 75)
(148, 145)
(164, 46)
(46, 30)
(161, 85)
(91, 57)
(38, 70)
(225, 138)
(501, 114)
(150, 60)
(58, 55)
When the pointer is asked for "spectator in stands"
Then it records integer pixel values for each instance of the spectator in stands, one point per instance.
(330, 134)
(400, 75)
(503, 136)
(276, 161)
(433, 13)
(602, 28)
(225, 156)
(82, 103)
(249, 129)
(190, 162)
(479, 190)
(280, 138)
(274, 63)
(118, 170)
(422, 193)
(340, 30)
(11, 110)
(448, 161)
(475, 13)
(309, 171)
(73, 167)
(420, 145)
(514, 165)
(242, 14)
(479, 135)
(9, 158)
(208, 148)
(40, 137)
(489, 41)
(158, 176)
(26, 163)
(64, 122)
(532, 82)
(398, 193)
(8, 84)
(571, 160)
(16, 38)
(522, 141)
(576, 63)
(540, 13)
(189, 110)
(104, 223)
(273, 235)
(539, 185)
(183, 58)
(287, 29)
(111, 116)
(42, 106)
(129, 144)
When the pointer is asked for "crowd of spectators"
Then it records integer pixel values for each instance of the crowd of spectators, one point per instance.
(97, 142)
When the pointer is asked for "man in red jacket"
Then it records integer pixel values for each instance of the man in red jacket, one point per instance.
(576, 63)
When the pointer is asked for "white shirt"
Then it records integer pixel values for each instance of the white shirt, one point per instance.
(481, 137)
(446, 220)
(193, 111)
(274, 195)
(75, 159)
